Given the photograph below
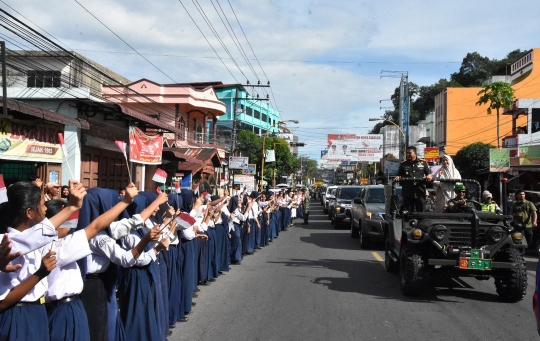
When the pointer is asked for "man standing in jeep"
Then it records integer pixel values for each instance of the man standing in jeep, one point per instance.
(524, 213)
(414, 193)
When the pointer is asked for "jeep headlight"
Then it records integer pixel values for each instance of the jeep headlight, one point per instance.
(417, 233)
(496, 233)
(413, 223)
(517, 236)
(438, 232)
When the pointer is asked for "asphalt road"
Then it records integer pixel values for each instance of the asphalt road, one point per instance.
(316, 283)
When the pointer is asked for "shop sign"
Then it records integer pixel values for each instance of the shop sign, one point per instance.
(238, 162)
(145, 148)
(30, 140)
(499, 160)
(529, 155)
(431, 154)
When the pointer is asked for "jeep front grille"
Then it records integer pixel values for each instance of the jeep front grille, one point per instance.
(462, 236)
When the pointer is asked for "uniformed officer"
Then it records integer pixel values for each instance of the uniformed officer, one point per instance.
(414, 193)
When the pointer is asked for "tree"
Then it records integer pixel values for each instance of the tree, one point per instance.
(474, 70)
(472, 158)
(498, 95)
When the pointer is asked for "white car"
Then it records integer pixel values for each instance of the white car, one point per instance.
(329, 190)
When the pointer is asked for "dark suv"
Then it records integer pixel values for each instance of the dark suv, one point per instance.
(339, 210)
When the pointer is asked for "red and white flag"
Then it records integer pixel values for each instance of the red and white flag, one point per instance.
(160, 176)
(123, 147)
(72, 221)
(62, 144)
(3, 190)
(184, 221)
(177, 187)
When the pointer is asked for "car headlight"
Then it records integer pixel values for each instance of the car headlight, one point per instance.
(373, 215)
(496, 233)
(438, 232)
(338, 208)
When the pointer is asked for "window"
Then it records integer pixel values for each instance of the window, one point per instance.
(43, 79)
(256, 114)
(264, 118)
(248, 112)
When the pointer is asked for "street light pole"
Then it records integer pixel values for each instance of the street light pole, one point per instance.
(400, 130)
(264, 147)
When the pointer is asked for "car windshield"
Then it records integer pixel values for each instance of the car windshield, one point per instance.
(376, 195)
(349, 192)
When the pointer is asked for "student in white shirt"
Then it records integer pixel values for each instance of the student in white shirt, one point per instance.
(21, 291)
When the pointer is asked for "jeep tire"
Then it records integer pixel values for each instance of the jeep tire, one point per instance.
(411, 270)
(511, 284)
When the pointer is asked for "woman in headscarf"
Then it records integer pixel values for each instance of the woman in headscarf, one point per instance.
(445, 190)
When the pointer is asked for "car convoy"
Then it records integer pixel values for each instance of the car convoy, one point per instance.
(427, 245)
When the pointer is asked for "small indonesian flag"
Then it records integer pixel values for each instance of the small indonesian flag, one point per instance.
(62, 144)
(123, 147)
(177, 187)
(184, 221)
(72, 221)
(160, 176)
(3, 190)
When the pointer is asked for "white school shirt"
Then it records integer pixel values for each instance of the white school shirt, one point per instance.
(130, 241)
(65, 280)
(104, 249)
(31, 262)
(253, 213)
(33, 238)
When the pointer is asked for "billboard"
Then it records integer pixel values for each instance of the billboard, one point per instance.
(351, 147)
(238, 162)
(499, 160)
(143, 148)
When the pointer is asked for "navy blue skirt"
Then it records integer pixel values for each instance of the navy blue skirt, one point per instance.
(68, 321)
(222, 248)
(189, 276)
(174, 271)
(24, 323)
(212, 270)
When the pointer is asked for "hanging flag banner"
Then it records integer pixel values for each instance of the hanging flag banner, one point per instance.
(145, 148)
(30, 140)
(270, 156)
(160, 176)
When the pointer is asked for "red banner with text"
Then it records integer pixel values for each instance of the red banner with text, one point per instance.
(145, 148)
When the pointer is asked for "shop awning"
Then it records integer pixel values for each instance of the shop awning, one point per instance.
(47, 115)
(148, 119)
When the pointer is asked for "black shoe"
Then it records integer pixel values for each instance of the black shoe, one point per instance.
(212, 280)
(171, 326)
(169, 333)
(197, 290)
(237, 263)
(220, 272)
(194, 295)
(193, 304)
(187, 312)
(183, 319)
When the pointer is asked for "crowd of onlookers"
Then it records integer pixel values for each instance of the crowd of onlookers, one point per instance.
(89, 264)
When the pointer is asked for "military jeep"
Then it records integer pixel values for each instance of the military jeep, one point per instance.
(471, 243)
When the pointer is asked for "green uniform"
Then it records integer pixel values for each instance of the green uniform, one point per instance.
(522, 212)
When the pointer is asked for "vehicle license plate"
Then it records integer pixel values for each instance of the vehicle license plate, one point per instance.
(476, 264)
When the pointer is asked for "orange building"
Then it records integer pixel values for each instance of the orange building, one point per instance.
(460, 122)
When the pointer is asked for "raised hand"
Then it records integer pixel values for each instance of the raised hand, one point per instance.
(6, 256)
(131, 192)
(76, 193)
(48, 263)
(162, 198)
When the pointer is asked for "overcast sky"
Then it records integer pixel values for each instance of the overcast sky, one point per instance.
(323, 58)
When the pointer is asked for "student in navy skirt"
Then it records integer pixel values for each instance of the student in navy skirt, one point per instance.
(236, 220)
(22, 308)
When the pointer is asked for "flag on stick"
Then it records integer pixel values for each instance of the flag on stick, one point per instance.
(64, 151)
(123, 148)
(160, 176)
(184, 221)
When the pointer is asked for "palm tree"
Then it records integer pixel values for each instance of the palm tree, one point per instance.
(498, 95)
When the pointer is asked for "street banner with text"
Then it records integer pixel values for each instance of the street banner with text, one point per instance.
(431, 154)
(30, 140)
(238, 162)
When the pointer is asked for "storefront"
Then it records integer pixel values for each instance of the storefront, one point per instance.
(29, 142)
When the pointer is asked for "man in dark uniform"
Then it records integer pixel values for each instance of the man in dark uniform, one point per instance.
(414, 193)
